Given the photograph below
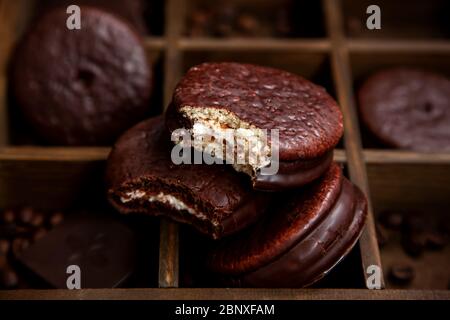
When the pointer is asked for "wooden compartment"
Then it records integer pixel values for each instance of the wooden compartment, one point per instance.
(267, 18)
(399, 19)
(416, 186)
(60, 176)
(364, 63)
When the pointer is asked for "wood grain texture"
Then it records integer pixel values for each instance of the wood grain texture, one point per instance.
(225, 294)
(408, 46)
(305, 45)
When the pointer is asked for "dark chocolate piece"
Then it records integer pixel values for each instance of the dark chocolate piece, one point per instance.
(297, 244)
(81, 87)
(408, 108)
(103, 248)
(141, 178)
(233, 95)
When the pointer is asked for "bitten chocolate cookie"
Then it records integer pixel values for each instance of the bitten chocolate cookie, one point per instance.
(255, 100)
(300, 239)
(81, 87)
(141, 178)
(408, 109)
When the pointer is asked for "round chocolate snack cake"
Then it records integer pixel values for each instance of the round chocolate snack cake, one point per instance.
(305, 234)
(81, 87)
(254, 100)
(408, 109)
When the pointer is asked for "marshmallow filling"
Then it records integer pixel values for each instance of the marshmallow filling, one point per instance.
(223, 135)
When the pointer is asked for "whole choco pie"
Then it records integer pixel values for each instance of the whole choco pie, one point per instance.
(304, 234)
(408, 108)
(216, 96)
(81, 87)
(141, 178)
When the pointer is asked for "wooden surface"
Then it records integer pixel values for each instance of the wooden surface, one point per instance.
(390, 178)
(225, 294)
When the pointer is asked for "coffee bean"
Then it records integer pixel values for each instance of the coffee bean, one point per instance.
(401, 274)
(8, 216)
(38, 220)
(415, 223)
(391, 220)
(56, 219)
(26, 215)
(39, 234)
(435, 240)
(247, 24)
(414, 243)
(4, 247)
(18, 245)
(9, 279)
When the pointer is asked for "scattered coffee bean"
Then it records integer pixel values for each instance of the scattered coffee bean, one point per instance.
(56, 219)
(415, 223)
(435, 240)
(39, 234)
(26, 215)
(9, 279)
(8, 216)
(4, 247)
(414, 243)
(228, 19)
(18, 245)
(391, 220)
(401, 274)
(38, 220)
(247, 24)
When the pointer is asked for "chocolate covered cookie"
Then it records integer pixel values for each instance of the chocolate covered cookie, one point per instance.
(302, 237)
(141, 178)
(81, 87)
(408, 109)
(258, 102)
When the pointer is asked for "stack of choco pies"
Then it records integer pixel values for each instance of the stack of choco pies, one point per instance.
(281, 210)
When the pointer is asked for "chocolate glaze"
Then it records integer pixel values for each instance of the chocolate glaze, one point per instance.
(292, 174)
(81, 87)
(298, 244)
(140, 160)
(308, 119)
(408, 108)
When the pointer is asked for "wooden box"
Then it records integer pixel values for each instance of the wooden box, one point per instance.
(335, 50)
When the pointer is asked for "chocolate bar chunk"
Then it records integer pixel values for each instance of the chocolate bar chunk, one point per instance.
(101, 247)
